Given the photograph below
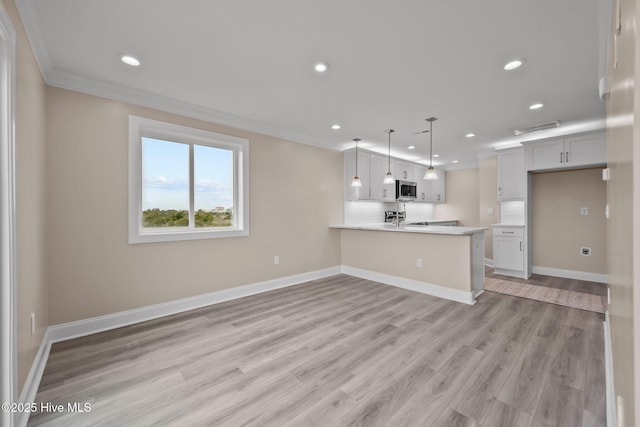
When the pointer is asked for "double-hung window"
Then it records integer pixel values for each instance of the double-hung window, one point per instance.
(186, 183)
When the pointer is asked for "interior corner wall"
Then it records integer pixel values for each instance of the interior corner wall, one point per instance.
(30, 168)
(559, 230)
(623, 161)
(461, 192)
(295, 194)
(488, 200)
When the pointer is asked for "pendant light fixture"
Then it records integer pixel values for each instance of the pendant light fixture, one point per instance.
(356, 180)
(388, 178)
(431, 173)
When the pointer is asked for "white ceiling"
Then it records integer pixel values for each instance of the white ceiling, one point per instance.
(249, 64)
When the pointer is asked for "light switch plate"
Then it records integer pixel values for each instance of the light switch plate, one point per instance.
(584, 211)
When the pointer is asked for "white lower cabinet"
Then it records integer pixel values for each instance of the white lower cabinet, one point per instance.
(509, 251)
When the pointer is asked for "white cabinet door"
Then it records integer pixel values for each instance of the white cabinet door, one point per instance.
(421, 184)
(405, 172)
(585, 150)
(436, 188)
(545, 155)
(512, 176)
(508, 253)
(377, 171)
(357, 193)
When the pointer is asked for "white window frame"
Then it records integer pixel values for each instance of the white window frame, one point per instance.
(140, 127)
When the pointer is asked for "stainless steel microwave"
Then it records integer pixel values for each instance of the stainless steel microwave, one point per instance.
(406, 190)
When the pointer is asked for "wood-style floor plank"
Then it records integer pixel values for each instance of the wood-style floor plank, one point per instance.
(339, 351)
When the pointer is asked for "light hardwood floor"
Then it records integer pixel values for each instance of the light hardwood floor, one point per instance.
(340, 351)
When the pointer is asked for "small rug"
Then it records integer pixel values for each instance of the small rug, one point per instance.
(571, 299)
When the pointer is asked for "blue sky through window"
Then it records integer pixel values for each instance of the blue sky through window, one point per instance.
(165, 171)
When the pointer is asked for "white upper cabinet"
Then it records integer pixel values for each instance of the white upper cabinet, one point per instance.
(421, 184)
(435, 188)
(512, 176)
(357, 193)
(567, 152)
(585, 150)
(405, 172)
(379, 166)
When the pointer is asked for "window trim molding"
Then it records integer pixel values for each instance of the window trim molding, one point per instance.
(142, 127)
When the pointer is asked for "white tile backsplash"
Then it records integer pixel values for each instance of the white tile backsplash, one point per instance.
(512, 212)
(373, 212)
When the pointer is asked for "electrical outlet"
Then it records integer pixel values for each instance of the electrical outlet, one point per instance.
(32, 319)
(490, 211)
(584, 211)
(585, 251)
(419, 262)
(276, 260)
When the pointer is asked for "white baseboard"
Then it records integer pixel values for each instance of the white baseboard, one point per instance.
(93, 325)
(412, 285)
(488, 262)
(612, 419)
(31, 384)
(570, 274)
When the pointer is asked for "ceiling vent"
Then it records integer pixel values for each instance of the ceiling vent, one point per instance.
(535, 128)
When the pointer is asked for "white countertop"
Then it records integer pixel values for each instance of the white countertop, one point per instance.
(429, 229)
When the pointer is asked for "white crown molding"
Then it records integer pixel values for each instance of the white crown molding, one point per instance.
(162, 103)
(460, 166)
(141, 98)
(486, 154)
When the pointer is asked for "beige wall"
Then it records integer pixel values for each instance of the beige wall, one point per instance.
(488, 200)
(462, 197)
(94, 271)
(396, 253)
(623, 159)
(558, 229)
(30, 197)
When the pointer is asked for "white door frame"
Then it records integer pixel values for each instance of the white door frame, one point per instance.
(8, 288)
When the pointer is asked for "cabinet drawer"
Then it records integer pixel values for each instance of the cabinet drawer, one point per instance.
(508, 231)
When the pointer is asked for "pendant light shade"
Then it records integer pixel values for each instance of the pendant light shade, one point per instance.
(356, 180)
(431, 173)
(388, 178)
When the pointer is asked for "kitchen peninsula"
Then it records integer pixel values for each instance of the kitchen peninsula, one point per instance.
(444, 261)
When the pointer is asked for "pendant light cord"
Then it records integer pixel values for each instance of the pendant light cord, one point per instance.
(431, 144)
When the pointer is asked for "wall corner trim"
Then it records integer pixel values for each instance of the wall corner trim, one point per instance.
(412, 285)
(610, 392)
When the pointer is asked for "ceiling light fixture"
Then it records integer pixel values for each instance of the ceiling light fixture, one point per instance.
(455, 161)
(536, 106)
(335, 127)
(436, 155)
(411, 147)
(130, 60)
(356, 180)
(512, 65)
(431, 173)
(470, 135)
(388, 178)
(321, 67)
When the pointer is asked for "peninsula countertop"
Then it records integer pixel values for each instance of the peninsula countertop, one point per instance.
(424, 229)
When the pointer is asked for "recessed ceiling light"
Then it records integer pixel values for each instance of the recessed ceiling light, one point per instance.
(321, 67)
(130, 60)
(536, 106)
(455, 161)
(335, 127)
(470, 135)
(411, 147)
(436, 155)
(512, 65)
